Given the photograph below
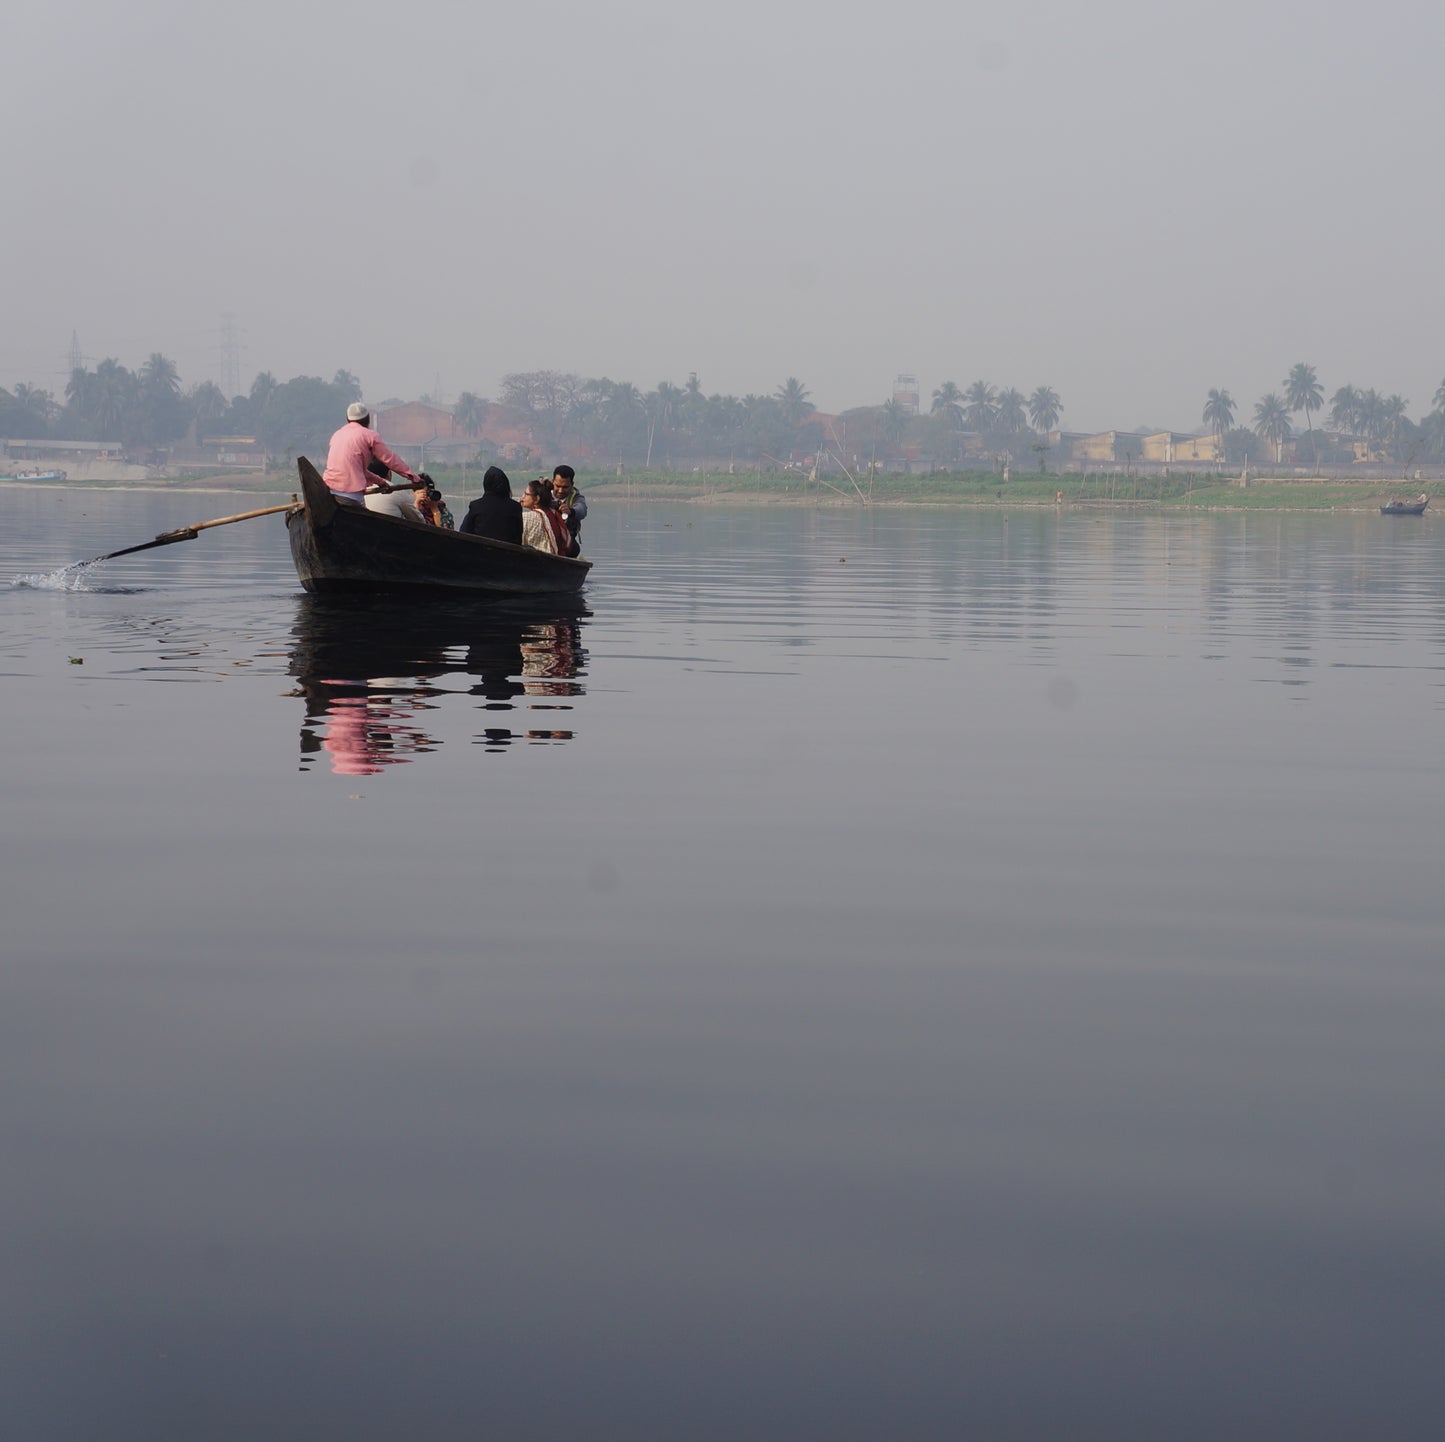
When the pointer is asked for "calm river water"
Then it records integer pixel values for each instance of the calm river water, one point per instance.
(880, 976)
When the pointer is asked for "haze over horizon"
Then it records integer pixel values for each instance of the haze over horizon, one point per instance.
(1125, 204)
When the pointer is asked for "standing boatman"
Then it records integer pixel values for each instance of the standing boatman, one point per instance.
(354, 448)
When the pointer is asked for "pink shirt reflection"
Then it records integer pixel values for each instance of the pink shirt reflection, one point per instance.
(346, 738)
(351, 448)
(362, 737)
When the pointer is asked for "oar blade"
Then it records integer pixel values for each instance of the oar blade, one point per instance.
(169, 539)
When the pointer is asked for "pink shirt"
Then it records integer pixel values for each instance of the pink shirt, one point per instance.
(351, 448)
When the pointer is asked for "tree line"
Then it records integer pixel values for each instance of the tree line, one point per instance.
(1381, 421)
(672, 423)
(147, 409)
(682, 423)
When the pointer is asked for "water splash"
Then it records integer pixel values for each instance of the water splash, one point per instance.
(75, 577)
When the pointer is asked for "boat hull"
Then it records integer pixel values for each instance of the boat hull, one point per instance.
(339, 548)
(1412, 508)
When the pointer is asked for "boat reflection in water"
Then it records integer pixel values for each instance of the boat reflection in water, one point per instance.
(374, 671)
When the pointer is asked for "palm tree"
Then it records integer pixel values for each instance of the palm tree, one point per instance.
(470, 412)
(1219, 416)
(665, 404)
(1439, 396)
(261, 388)
(1432, 435)
(1394, 422)
(1271, 423)
(1345, 409)
(948, 402)
(209, 405)
(79, 403)
(717, 420)
(979, 410)
(78, 384)
(1370, 415)
(159, 377)
(1045, 409)
(792, 395)
(1011, 415)
(623, 401)
(111, 398)
(40, 404)
(1302, 393)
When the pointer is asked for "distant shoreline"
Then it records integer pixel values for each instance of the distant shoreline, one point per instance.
(970, 491)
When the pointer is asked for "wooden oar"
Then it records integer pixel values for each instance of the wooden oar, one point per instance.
(189, 533)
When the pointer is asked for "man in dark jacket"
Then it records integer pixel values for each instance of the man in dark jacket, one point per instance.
(494, 513)
(569, 502)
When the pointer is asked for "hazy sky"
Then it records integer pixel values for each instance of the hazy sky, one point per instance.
(1129, 201)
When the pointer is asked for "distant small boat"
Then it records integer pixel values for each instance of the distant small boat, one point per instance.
(1406, 508)
(340, 548)
(35, 476)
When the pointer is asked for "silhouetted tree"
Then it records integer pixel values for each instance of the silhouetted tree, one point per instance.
(1010, 414)
(1271, 423)
(1302, 393)
(159, 377)
(38, 406)
(470, 412)
(792, 396)
(979, 410)
(300, 416)
(261, 389)
(1219, 415)
(1345, 409)
(948, 403)
(547, 399)
(1241, 445)
(1045, 408)
(346, 384)
(210, 408)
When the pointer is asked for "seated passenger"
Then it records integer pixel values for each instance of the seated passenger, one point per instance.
(542, 527)
(535, 531)
(387, 500)
(494, 513)
(433, 508)
(566, 544)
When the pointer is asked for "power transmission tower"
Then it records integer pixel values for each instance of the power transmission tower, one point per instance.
(74, 358)
(230, 354)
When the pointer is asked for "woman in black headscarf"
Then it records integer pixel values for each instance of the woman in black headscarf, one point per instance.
(494, 513)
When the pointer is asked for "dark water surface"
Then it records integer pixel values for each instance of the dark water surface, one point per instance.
(856, 976)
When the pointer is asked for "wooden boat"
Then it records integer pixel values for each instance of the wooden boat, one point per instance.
(337, 547)
(1406, 508)
(35, 476)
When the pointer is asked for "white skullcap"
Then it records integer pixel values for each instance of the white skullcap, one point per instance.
(357, 412)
